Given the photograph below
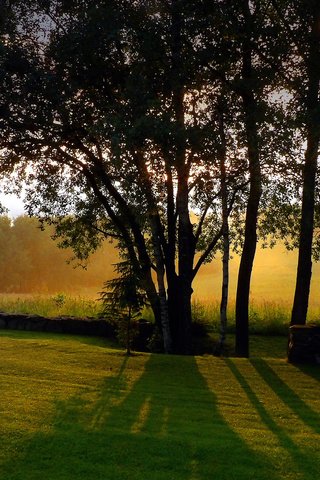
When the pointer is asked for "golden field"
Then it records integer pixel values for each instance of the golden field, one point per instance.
(273, 278)
(31, 263)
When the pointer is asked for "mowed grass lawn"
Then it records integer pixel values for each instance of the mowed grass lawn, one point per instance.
(75, 409)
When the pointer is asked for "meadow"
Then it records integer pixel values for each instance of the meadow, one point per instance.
(74, 408)
(266, 318)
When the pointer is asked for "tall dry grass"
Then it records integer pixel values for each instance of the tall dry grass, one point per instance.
(59, 304)
(266, 317)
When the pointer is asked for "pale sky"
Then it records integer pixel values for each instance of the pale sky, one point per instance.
(13, 204)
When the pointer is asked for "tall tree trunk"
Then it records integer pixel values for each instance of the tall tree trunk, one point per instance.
(179, 303)
(148, 286)
(224, 289)
(304, 269)
(185, 263)
(250, 239)
(225, 237)
(186, 247)
(164, 312)
(128, 332)
(170, 256)
(160, 248)
(173, 295)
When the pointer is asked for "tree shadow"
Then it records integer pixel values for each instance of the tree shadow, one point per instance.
(288, 396)
(165, 426)
(301, 459)
(312, 370)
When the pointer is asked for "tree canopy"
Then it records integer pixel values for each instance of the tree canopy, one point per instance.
(116, 115)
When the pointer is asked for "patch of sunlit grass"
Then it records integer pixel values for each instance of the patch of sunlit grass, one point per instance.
(73, 410)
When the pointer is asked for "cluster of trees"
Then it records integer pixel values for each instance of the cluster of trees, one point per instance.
(176, 127)
(30, 261)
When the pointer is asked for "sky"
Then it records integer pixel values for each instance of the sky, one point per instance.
(12, 203)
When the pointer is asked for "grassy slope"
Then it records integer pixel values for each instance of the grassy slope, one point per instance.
(74, 409)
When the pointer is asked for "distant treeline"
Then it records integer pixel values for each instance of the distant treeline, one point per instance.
(30, 261)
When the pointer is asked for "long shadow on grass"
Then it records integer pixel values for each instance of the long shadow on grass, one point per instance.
(312, 370)
(166, 426)
(303, 459)
(310, 417)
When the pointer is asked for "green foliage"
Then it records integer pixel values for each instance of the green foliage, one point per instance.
(59, 300)
(123, 301)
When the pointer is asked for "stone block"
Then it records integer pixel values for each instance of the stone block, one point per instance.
(304, 344)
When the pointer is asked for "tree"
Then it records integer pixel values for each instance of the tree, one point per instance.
(311, 59)
(123, 301)
(300, 75)
(115, 107)
(104, 116)
(250, 73)
(249, 96)
(225, 233)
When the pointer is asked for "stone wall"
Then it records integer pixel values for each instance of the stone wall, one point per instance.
(77, 326)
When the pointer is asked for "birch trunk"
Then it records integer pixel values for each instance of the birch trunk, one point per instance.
(225, 237)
